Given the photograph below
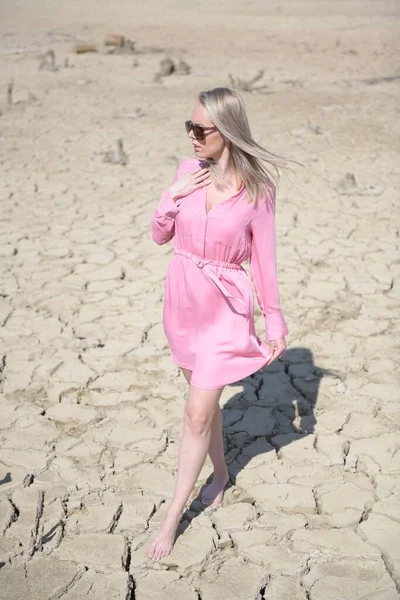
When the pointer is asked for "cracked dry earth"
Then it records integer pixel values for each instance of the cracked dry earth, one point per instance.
(91, 403)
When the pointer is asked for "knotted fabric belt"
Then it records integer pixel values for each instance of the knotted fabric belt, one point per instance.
(205, 265)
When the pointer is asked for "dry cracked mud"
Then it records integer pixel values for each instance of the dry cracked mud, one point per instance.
(91, 403)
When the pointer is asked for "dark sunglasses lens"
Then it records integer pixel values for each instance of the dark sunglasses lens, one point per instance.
(198, 132)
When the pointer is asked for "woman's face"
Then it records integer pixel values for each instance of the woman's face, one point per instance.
(213, 144)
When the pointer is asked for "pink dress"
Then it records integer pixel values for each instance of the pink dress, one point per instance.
(208, 305)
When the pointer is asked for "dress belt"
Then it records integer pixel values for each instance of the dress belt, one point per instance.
(204, 264)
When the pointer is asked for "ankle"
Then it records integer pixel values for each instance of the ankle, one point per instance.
(174, 513)
(221, 472)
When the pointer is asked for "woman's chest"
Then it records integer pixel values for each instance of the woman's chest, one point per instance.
(226, 221)
(214, 197)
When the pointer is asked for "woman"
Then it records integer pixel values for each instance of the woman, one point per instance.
(220, 211)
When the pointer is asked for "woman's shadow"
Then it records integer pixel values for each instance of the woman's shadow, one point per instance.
(276, 406)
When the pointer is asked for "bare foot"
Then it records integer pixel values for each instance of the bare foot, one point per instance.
(214, 491)
(163, 543)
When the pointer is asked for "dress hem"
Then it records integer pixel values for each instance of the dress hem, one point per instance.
(222, 385)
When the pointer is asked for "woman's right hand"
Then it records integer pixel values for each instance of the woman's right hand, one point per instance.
(189, 182)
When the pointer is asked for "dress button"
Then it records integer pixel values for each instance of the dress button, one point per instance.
(200, 265)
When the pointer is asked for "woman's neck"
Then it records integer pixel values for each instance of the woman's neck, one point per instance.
(226, 170)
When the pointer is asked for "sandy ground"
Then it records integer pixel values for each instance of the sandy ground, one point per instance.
(91, 403)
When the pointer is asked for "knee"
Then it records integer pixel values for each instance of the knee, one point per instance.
(198, 422)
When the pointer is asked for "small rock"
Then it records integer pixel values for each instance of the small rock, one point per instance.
(167, 67)
(314, 127)
(347, 185)
(183, 68)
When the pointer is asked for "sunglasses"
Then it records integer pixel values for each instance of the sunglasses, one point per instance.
(199, 131)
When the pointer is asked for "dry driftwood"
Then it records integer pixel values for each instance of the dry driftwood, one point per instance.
(183, 68)
(35, 541)
(48, 61)
(114, 40)
(10, 90)
(248, 85)
(82, 47)
(28, 479)
(118, 156)
(347, 184)
(127, 47)
(168, 67)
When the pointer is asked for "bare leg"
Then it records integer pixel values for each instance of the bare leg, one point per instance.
(198, 415)
(187, 374)
(213, 492)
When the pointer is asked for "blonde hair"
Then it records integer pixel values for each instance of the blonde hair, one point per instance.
(226, 109)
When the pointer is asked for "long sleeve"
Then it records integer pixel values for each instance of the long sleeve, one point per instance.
(163, 218)
(263, 269)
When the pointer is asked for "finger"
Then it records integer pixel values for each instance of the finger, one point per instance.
(199, 170)
(270, 358)
(203, 179)
(202, 182)
(201, 175)
(274, 351)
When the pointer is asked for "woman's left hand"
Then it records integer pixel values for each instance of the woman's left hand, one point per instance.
(277, 349)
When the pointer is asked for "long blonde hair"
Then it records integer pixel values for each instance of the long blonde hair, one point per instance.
(226, 109)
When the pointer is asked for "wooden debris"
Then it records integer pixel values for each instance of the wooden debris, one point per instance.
(10, 90)
(183, 68)
(347, 184)
(35, 542)
(127, 47)
(118, 156)
(167, 67)
(82, 47)
(150, 50)
(136, 114)
(248, 86)
(49, 61)
(114, 40)
(28, 479)
(376, 80)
